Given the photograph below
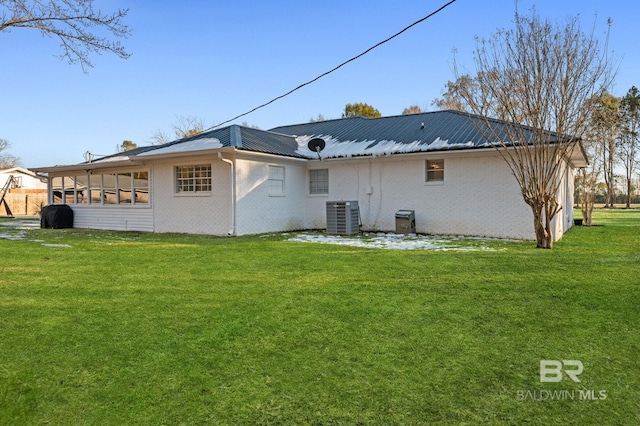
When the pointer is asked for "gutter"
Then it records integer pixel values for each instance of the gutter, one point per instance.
(87, 166)
(232, 231)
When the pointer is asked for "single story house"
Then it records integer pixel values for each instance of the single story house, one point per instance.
(237, 180)
(22, 192)
(24, 179)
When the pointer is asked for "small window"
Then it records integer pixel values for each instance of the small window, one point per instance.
(276, 180)
(435, 171)
(193, 178)
(319, 181)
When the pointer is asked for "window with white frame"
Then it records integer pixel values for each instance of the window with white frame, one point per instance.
(319, 181)
(434, 171)
(276, 180)
(193, 178)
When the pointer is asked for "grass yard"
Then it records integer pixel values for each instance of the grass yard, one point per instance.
(112, 328)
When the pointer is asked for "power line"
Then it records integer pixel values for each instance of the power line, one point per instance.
(335, 68)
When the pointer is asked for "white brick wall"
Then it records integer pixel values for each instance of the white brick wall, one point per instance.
(479, 196)
(257, 211)
(192, 214)
(563, 221)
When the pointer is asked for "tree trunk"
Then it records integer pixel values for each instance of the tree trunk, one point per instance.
(587, 209)
(542, 227)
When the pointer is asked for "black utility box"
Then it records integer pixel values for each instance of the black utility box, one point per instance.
(56, 216)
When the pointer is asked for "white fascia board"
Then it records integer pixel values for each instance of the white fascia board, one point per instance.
(88, 166)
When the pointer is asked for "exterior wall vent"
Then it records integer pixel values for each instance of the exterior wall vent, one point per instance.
(343, 217)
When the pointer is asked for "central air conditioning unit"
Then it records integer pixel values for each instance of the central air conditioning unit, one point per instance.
(343, 217)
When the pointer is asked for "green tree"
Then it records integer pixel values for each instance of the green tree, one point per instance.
(74, 23)
(128, 146)
(359, 109)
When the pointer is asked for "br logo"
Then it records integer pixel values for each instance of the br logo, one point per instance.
(551, 370)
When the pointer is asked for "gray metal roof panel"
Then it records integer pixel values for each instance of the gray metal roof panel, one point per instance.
(269, 142)
(437, 131)
(461, 130)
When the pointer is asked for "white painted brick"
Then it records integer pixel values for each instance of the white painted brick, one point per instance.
(479, 196)
(259, 212)
(193, 214)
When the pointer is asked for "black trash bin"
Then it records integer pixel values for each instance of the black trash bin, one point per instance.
(56, 216)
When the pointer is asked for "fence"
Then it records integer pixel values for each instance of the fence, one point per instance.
(24, 202)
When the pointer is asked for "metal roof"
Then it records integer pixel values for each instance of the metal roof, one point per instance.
(430, 131)
(458, 128)
(269, 142)
(239, 137)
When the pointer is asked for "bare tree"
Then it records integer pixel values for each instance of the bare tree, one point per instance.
(7, 160)
(253, 126)
(537, 77)
(185, 126)
(160, 137)
(629, 139)
(74, 23)
(604, 127)
(319, 118)
(588, 179)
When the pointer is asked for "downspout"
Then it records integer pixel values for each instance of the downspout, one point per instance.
(232, 231)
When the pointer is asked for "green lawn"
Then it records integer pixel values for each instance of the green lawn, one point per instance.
(134, 328)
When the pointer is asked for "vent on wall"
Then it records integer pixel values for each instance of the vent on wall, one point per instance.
(343, 217)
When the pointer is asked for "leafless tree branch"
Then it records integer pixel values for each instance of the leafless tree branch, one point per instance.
(536, 77)
(80, 28)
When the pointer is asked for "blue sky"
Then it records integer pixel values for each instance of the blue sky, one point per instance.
(216, 59)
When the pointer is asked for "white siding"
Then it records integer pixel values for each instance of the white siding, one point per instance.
(138, 218)
(115, 217)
